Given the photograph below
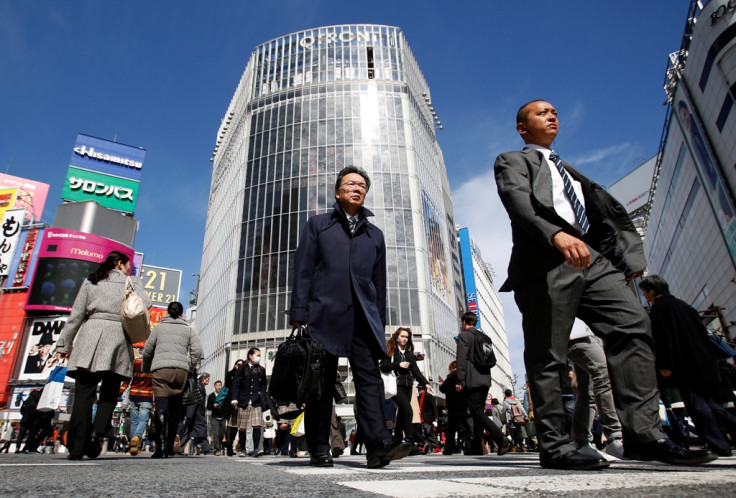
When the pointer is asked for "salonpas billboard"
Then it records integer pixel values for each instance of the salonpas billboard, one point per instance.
(106, 172)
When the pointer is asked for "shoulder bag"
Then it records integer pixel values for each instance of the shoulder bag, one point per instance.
(134, 315)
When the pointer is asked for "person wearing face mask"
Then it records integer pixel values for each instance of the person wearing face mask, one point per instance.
(98, 351)
(230, 410)
(248, 384)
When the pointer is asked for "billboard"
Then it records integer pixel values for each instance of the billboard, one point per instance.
(466, 255)
(439, 268)
(11, 333)
(633, 189)
(31, 194)
(109, 158)
(109, 191)
(38, 358)
(9, 235)
(25, 259)
(7, 199)
(161, 284)
(708, 169)
(65, 259)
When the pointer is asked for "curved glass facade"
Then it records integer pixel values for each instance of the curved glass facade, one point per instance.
(309, 104)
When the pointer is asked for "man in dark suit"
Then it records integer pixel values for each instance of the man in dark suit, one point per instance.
(339, 291)
(574, 250)
(686, 361)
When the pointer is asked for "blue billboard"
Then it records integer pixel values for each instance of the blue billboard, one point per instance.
(110, 158)
(466, 255)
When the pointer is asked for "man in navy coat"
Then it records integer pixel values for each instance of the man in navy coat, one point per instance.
(339, 292)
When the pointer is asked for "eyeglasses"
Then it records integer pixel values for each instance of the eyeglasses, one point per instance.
(355, 186)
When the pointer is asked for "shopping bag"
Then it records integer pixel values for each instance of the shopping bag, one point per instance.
(53, 390)
(134, 315)
(389, 384)
(297, 430)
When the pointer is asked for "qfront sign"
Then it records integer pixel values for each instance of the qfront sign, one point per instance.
(346, 37)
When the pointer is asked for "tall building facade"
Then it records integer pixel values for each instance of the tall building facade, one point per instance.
(307, 105)
(691, 226)
(481, 298)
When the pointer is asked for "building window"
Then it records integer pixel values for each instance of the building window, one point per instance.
(725, 111)
(700, 299)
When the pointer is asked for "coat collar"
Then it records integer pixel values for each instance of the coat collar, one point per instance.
(339, 215)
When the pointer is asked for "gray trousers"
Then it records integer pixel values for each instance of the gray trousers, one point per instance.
(599, 296)
(594, 390)
(218, 432)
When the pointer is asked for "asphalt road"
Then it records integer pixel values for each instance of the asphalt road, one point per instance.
(419, 476)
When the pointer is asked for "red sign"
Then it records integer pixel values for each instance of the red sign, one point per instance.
(157, 314)
(11, 328)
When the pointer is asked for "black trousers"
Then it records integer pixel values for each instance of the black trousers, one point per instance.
(85, 394)
(708, 417)
(477, 405)
(405, 414)
(369, 395)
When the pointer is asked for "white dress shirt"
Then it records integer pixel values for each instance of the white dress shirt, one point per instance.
(562, 204)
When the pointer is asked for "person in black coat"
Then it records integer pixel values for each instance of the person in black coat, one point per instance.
(248, 384)
(339, 292)
(231, 412)
(197, 418)
(457, 409)
(29, 414)
(685, 359)
(402, 363)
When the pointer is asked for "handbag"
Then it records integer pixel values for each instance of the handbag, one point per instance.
(297, 430)
(134, 315)
(192, 394)
(389, 384)
(298, 369)
(53, 390)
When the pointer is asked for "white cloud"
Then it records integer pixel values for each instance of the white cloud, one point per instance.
(478, 207)
(598, 155)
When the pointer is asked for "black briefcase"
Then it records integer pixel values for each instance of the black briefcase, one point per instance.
(298, 369)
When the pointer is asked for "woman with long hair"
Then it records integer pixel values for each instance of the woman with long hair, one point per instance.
(102, 352)
(402, 363)
(248, 384)
(172, 350)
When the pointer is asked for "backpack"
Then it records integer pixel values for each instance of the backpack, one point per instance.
(517, 415)
(483, 356)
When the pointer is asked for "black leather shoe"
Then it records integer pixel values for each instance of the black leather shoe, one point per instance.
(73, 457)
(572, 460)
(664, 450)
(381, 454)
(503, 447)
(321, 460)
(94, 446)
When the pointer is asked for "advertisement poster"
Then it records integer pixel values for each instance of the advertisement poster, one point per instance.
(25, 258)
(38, 359)
(720, 200)
(109, 191)
(109, 158)
(9, 236)
(161, 284)
(31, 194)
(434, 229)
(7, 199)
(65, 259)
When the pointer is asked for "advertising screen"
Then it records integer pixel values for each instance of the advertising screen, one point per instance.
(65, 259)
(38, 357)
(109, 191)
(31, 194)
(110, 158)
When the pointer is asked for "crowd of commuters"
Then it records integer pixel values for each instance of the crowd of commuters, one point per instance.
(573, 253)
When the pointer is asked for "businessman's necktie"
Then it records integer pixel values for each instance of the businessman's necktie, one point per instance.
(352, 221)
(577, 206)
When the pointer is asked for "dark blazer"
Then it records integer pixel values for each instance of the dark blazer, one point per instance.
(682, 345)
(197, 416)
(525, 186)
(248, 384)
(468, 376)
(335, 271)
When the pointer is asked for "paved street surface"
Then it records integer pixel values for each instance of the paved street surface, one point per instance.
(432, 475)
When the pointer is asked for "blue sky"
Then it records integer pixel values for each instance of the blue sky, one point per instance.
(161, 74)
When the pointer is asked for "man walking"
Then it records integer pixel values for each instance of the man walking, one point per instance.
(218, 417)
(475, 382)
(686, 361)
(574, 248)
(339, 292)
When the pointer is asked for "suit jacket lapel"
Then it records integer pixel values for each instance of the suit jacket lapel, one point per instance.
(541, 178)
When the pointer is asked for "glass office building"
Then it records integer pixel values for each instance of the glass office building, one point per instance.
(307, 105)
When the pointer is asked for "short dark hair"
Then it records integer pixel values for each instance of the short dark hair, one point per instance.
(175, 309)
(470, 318)
(654, 283)
(522, 113)
(352, 169)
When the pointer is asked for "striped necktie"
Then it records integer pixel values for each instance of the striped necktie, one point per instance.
(577, 206)
(352, 221)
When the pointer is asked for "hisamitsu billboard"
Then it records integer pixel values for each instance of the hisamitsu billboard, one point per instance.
(110, 158)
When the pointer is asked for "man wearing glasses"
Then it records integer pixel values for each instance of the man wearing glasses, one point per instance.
(339, 293)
